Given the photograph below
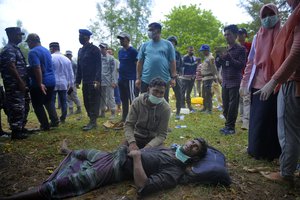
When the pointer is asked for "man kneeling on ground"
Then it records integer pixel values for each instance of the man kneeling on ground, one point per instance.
(147, 122)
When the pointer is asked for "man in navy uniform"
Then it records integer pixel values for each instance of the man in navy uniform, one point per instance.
(15, 79)
(89, 72)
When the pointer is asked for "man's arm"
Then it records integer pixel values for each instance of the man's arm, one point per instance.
(139, 174)
(139, 69)
(173, 73)
(39, 78)
(129, 127)
(240, 61)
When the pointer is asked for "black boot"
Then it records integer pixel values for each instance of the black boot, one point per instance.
(18, 135)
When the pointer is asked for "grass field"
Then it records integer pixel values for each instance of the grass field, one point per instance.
(27, 163)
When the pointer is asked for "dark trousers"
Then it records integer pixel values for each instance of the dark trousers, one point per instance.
(17, 103)
(262, 135)
(91, 99)
(117, 96)
(207, 94)
(178, 94)
(187, 87)
(145, 86)
(128, 92)
(39, 101)
(62, 98)
(230, 97)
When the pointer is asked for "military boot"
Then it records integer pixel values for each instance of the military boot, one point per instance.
(18, 135)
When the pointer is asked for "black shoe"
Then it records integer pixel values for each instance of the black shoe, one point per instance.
(54, 124)
(89, 126)
(18, 135)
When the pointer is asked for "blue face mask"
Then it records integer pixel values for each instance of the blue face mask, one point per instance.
(269, 21)
(180, 155)
(155, 100)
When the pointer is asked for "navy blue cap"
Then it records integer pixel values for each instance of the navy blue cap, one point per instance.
(242, 31)
(204, 47)
(54, 44)
(172, 38)
(14, 30)
(85, 32)
(155, 25)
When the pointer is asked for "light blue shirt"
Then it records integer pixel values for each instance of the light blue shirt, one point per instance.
(63, 71)
(157, 57)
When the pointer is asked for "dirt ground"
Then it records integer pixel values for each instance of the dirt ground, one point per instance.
(19, 173)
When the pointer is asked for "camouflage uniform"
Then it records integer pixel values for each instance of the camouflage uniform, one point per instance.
(17, 101)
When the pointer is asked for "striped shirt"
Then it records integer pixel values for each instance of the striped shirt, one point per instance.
(232, 66)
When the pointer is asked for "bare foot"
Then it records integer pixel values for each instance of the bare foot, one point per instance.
(64, 147)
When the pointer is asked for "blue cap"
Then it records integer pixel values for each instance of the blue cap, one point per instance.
(85, 32)
(204, 47)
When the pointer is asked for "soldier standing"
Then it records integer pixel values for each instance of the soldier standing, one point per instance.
(15, 79)
(89, 72)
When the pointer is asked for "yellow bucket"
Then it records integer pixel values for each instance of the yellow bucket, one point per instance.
(197, 100)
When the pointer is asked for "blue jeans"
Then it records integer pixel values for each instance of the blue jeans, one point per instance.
(62, 95)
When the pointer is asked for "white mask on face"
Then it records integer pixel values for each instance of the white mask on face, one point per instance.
(155, 100)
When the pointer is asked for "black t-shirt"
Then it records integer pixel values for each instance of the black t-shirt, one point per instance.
(161, 167)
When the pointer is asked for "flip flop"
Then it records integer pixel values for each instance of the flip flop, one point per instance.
(276, 177)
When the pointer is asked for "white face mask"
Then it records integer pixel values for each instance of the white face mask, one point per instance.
(269, 21)
(155, 100)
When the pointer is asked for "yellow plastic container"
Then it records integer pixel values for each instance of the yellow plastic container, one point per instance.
(197, 100)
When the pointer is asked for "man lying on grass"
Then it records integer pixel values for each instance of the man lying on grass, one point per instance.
(152, 169)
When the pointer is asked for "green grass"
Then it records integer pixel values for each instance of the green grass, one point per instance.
(43, 149)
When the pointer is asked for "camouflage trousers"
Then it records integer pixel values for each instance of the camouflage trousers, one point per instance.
(17, 103)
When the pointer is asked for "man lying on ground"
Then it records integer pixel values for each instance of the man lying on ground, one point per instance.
(152, 169)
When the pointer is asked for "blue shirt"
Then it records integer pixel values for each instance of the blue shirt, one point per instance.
(40, 56)
(127, 68)
(157, 57)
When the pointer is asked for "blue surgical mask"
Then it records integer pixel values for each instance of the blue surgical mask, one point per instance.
(155, 100)
(269, 21)
(180, 155)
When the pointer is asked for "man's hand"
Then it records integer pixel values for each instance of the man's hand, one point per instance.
(138, 83)
(113, 85)
(22, 86)
(133, 146)
(77, 86)
(44, 89)
(173, 82)
(134, 154)
(97, 85)
(267, 90)
(243, 91)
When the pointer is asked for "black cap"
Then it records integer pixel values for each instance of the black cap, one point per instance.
(242, 31)
(155, 25)
(14, 30)
(172, 38)
(54, 45)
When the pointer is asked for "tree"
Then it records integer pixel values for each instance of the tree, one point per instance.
(253, 7)
(114, 16)
(193, 27)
